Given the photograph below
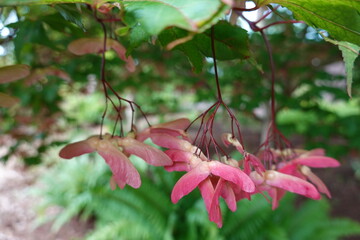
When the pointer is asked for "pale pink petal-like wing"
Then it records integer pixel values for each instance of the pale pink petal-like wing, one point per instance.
(41, 73)
(291, 184)
(314, 152)
(130, 64)
(84, 46)
(257, 178)
(252, 161)
(189, 182)
(76, 149)
(7, 100)
(291, 169)
(119, 49)
(178, 167)
(179, 155)
(232, 174)
(215, 200)
(317, 162)
(181, 123)
(171, 142)
(51, 71)
(150, 154)
(216, 216)
(170, 131)
(215, 211)
(228, 194)
(143, 135)
(240, 194)
(276, 194)
(13, 72)
(316, 180)
(280, 193)
(273, 193)
(181, 160)
(123, 170)
(121, 52)
(112, 183)
(207, 192)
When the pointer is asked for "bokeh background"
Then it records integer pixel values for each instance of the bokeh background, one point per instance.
(45, 197)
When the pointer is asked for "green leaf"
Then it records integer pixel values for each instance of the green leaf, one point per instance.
(231, 42)
(339, 17)
(156, 15)
(122, 31)
(188, 48)
(30, 32)
(55, 21)
(349, 52)
(136, 37)
(70, 14)
(39, 2)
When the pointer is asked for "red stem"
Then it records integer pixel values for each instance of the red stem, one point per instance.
(280, 22)
(102, 72)
(215, 65)
(106, 86)
(245, 9)
(272, 66)
(206, 126)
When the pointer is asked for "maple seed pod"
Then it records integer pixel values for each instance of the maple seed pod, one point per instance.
(13, 73)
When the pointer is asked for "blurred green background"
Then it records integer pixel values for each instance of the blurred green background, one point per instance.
(313, 111)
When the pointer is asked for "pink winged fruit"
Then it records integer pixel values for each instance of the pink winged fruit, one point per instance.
(115, 152)
(10, 74)
(84, 46)
(300, 167)
(213, 178)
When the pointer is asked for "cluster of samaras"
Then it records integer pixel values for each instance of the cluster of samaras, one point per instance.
(227, 178)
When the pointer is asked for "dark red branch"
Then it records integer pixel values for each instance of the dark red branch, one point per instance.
(106, 86)
(215, 66)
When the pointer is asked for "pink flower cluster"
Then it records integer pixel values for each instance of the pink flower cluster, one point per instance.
(227, 178)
